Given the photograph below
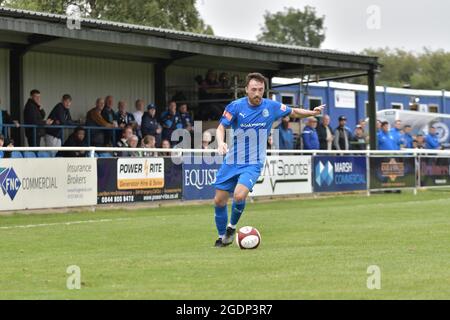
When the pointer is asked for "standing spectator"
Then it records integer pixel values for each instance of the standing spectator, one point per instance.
(385, 139)
(186, 120)
(170, 121)
(138, 114)
(94, 118)
(61, 117)
(358, 141)
(309, 135)
(150, 125)
(34, 114)
(5, 118)
(419, 142)
(432, 139)
(397, 133)
(325, 134)
(407, 138)
(109, 116)
(363, 124)
(286, 135)
(342, 135)
(76, 139)
(124, 118)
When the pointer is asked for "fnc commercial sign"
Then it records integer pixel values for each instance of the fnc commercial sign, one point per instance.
(336, 174)
(47, 183)
(283, 175)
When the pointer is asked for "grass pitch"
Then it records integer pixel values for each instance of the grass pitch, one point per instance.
(311, 249)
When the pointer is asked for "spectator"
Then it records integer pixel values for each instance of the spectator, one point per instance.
(286, 135)
(407, 139)
(94, 118)
(2, 141)
(148, 142)
(132, 142)
(109, 116)
(123, 118)
(127, 132)
(419, 142)
(358, 141)
(76, 139)
(34, 114)
(170, 121)
(379, 122)
(138, 114)
(432, 140)
(61, 117)
(206, 140)
(325, 134)
(342, 135)
(363, 124)
(309, 135)
(385, 139)
(397, 133)
(186, 120)
(165, 144)
(5, 118)
(150, 125)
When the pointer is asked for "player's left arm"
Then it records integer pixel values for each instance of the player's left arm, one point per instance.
(302, 113)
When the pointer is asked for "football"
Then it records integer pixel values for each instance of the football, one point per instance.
(248, 238)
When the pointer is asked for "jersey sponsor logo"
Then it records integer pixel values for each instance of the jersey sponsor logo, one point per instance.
(227, 115)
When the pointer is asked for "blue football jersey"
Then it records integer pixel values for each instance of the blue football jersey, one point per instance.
(251, 127)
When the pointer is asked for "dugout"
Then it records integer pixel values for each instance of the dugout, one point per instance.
(96, 58)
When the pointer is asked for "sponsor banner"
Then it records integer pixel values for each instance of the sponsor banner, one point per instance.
(392, 172)
(284, 175)
(434, 172)
(47, 183)
(336, 174)
(138, 179)
(198, 178)
(344, 99)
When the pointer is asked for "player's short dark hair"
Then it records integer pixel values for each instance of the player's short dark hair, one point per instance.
(67, 97)
(384, 123)
(34, 91)
(255, 76)
(407, 126)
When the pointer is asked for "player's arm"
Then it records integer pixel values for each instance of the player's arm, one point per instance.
(302, 113)
(220, 136)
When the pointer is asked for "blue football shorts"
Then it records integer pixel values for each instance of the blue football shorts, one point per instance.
(229, 176)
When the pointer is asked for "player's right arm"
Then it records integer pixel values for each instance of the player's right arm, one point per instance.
(229, 115)
(220, 135)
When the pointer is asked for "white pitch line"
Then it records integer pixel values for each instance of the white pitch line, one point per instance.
(29, 226)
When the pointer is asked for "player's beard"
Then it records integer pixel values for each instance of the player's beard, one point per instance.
(256, 101)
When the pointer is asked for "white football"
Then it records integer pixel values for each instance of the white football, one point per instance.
(248, 238)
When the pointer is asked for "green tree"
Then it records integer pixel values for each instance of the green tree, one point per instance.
(169, 14)
(294, 27)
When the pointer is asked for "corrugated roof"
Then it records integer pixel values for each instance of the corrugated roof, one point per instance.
(182, 35)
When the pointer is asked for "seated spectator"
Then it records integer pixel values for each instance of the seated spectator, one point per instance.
(286, 135)
(325, 134)
(309, 135)
(385, 139)
(94, 119)
(206, 140)
(407, 139)
(123, 118)
(186, 120)
(109, 116)
(34, 114)
(76, 139)
(342, 135)
(432, 139)
(127, 133)
(61, 117)
(6, 144)
(149, 142)
(150, 125)
(138, 114)
(358, 141)
(132, 142)
(170, 121)
(165, 144)
(419, 141)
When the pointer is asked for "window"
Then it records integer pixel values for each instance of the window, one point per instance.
(314, 102)
(287, 100)
(414, 106)
(397, 106)
(433, 108)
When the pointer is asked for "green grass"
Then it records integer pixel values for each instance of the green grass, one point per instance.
(311, 249)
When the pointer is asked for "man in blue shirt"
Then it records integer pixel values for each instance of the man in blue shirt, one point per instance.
(385, 139)
(407, 139)
(309, 135)
(286, 135)
(170, 121)
(432, 139)
(397, 134)
(251, 119)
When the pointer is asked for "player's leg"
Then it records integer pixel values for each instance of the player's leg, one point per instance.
(221, 213)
